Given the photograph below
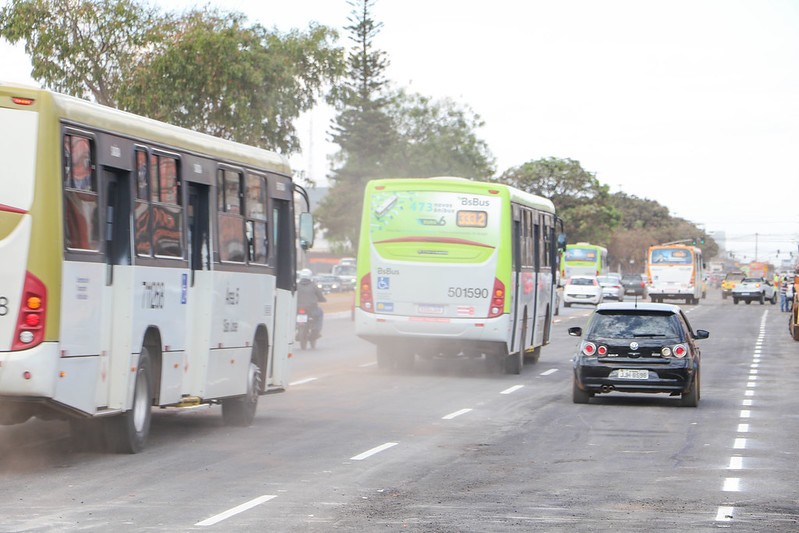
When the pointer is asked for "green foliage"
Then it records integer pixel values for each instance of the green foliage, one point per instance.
(645, 223)
(238, 82)
(436, 138)
(84, 48)
(581, 201)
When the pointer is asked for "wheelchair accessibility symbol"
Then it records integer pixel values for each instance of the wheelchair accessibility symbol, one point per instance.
(383, 283)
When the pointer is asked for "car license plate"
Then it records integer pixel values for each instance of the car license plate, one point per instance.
(302, 319)
(626, 373)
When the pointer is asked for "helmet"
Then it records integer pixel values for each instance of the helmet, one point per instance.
(306, 273)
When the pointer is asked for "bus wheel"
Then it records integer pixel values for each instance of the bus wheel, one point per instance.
(128, 432)
(240, 411)
(514, 362)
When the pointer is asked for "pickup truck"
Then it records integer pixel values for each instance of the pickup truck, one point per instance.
(754, 289)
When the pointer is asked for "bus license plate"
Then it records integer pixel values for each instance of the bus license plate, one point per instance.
(430, 309)
(626, 373)
(302, 319)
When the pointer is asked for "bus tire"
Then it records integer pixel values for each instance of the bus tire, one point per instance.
(240, 410)
(514, 362)
(128, 432)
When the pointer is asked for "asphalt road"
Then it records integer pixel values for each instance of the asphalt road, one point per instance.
(450, 446)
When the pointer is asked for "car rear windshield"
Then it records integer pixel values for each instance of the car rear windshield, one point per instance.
(634, 324)
(582, 281)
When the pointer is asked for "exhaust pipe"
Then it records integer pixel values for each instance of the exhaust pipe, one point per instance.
(608, 388)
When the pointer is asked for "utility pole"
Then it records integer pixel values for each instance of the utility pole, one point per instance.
(755, 246)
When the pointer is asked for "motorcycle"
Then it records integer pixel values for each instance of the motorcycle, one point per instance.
(307, 332)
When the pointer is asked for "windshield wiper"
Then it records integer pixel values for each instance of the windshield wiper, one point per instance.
(649, 335)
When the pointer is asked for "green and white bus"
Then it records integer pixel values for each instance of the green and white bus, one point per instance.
(143, 265)
(583, 259)
(453, 267)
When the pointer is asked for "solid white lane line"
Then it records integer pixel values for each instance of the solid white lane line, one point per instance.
(377, 449)
(739, 444)
(548, 372)
(513, 389)
(731, 484)
(301, 382)
(455, 414)
(724, 514)
(236, 510)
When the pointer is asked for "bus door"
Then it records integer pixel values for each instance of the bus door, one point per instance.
(284, 259)
(516, 285)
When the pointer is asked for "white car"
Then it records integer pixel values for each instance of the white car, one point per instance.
(754, 290)
(611, 287)
(582, 290)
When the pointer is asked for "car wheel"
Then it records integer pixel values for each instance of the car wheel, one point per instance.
(691, 398)
(579, 395)
(762, 298)
(748, 302)
(735, 301)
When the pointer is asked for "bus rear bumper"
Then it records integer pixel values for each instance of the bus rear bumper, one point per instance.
(381, 327)
(29, 373)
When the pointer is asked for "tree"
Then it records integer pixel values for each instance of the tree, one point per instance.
(580, 200)
(238, 82)
(205, 70)
(84, 48)
(436, 138)
(363, 129)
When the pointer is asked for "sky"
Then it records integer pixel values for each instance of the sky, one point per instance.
(692, 103)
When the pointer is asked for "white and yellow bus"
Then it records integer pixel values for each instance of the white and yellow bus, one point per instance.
(453, 267)
(676, 272)
(143, 265)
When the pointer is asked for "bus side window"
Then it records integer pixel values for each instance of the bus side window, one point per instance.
(143, 231)
(256, 223)
(232, 239)
(82, 224)
(167, 213)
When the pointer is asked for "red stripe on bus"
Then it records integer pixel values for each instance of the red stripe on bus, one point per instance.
(446, 240)
(9, 209)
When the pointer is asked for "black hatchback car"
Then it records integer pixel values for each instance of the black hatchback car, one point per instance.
(642, 347)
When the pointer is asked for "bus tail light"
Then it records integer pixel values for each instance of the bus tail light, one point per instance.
(30, 323)
(497, 299)
(367, 302)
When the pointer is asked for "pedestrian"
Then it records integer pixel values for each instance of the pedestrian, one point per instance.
(784, 307)
(790, 292)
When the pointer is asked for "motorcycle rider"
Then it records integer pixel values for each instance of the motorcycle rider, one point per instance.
(309, 296)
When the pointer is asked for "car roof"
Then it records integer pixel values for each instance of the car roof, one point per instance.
(639, 306)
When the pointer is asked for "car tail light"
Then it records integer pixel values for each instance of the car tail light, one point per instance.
(602, 350)
(30, 323)
(367, 302)
(589, 349)
(497, 299)
(680, 351)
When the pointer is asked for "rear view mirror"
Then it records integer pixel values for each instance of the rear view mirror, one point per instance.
(701, 334)
(561, 241)
(306, 230)
(576, 331)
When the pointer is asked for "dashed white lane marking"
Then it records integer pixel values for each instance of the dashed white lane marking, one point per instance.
(377, 449)
(724, 514)
(732, 484)
(746, 413)
(513, 389)
(301, 382)
(236, 510)
(739, 444)
(548, 372)
(743, 428)
(373, 363)
(736, 462)
(455, 414)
